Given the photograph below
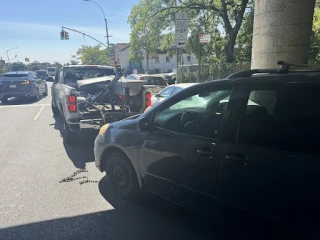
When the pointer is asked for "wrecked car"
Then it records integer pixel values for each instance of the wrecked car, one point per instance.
(87, 97)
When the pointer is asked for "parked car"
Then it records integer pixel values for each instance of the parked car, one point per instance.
(247, 156)
(170, 78)
(154, 82)
(52, 71)
(44, 75)
(90, 96)
(22, 85)
(168, 92)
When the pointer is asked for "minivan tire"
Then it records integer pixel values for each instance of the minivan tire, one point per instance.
(122, 176)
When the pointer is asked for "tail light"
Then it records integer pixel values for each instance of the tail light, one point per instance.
(122, 97)
(140, 78)
(25, 82)
(148, 95)
(72, 103)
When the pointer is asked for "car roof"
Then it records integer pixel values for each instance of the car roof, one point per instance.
(184, 85)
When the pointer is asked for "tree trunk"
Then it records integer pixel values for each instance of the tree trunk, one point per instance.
(147, 55)
(229, 50)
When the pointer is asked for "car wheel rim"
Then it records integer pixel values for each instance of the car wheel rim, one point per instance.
(120, 175)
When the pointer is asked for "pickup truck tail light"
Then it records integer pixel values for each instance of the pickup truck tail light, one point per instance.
(148, 96)
(72, 103)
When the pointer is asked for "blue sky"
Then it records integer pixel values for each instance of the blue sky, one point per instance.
(35, 26)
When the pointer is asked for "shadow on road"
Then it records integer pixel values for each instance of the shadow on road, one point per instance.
(154, 219)
(81, 152)
(162, 219)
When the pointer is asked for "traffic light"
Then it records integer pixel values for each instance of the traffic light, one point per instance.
(62, 34)
(27, 60)
(66, 35)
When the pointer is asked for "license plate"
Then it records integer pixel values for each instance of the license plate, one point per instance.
(12, 86)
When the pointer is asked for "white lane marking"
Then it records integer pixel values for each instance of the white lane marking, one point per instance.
(31, 105)
(38, 114)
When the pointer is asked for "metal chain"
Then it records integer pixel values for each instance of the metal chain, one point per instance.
(72, 177)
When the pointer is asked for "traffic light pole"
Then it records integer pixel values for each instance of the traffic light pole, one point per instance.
(84, 35)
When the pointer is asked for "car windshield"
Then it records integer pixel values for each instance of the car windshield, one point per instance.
(114, 111)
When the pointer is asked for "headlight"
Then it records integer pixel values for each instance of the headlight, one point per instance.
(103, 129)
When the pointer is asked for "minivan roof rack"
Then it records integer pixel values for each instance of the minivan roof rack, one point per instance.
(285, 68)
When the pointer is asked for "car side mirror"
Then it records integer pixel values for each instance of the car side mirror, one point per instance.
(144, 124)
(50, 79)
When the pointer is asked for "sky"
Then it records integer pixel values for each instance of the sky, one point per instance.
(33, 26)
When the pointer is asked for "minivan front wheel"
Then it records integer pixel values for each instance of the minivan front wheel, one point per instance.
(122, 176)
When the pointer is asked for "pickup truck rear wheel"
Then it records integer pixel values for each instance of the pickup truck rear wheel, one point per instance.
(122, 176)
(55, 110)
(69, 136)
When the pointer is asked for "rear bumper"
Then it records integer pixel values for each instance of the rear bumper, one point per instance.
(91, 124)
(22, 92)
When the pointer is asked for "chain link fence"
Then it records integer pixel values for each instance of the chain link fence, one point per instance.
(211, 72)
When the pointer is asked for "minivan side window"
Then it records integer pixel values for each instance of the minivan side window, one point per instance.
(285, 119)
(199, 114)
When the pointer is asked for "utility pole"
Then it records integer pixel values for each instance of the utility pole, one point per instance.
(105, 19)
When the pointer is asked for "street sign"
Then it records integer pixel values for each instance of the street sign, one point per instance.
(181, 30)
(180, 44)
(205, 38)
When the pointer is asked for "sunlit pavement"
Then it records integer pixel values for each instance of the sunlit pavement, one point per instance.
(35, 205)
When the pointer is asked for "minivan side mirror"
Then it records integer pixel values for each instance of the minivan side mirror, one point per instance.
(144, 124)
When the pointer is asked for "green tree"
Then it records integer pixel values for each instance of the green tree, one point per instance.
(314, 58)
(217, 17)
(18, 66)
(57, 64)
(92, 55)
(145, 34)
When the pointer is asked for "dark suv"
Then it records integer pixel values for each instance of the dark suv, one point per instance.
(244, 151)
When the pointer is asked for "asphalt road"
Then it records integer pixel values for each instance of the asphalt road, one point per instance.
(34, 205)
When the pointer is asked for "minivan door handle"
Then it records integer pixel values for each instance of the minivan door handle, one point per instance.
(238, 158)
(207, 153)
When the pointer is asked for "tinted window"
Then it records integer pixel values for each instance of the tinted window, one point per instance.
(74, 74)
(199, 114)
(150, 80)
(13, 77)
(286, 119)
(51, 69)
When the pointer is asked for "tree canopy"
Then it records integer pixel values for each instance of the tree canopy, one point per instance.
(18, 66)
(150, 19)
(91, 55)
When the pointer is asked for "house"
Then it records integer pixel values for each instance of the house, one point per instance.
(161, 62)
